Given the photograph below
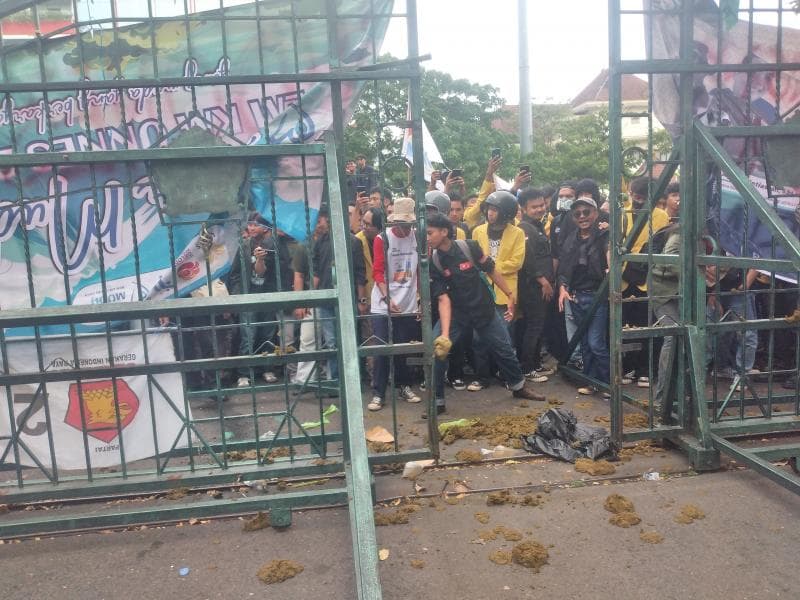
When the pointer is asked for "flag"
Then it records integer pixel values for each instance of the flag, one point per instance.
(430, 152)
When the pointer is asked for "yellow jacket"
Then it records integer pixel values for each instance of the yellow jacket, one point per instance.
(658, 219)
(473, 215)
(367, 262)
(510, 256)
(460, 234)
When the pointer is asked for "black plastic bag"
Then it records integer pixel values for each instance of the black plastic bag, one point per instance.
(559, 435)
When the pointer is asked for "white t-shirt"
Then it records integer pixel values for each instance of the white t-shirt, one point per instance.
(402, 262)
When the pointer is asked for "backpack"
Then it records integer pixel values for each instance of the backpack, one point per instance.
(464, 247)
(635, 273)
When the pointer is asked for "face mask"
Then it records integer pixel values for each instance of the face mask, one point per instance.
(564, 203)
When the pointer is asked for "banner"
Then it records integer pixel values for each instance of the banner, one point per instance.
(70, 212)
(90, 408)
(430, 153)
(733, 99)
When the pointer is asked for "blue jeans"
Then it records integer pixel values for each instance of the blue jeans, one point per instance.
(328, 326)
(744, 343)
(480, 349)
(594, 343)
(496, 340)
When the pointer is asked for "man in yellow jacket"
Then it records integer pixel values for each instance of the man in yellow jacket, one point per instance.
(504, 243)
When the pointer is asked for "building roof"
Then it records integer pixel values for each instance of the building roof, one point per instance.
(633, 88)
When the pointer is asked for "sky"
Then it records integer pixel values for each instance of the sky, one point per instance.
(567, 42)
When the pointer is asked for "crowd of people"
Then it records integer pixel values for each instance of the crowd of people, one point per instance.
(514, 275)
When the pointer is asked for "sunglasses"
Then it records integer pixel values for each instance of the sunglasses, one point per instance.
(582, 212)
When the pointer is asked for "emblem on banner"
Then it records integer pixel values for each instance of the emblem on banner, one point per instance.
(100, 415)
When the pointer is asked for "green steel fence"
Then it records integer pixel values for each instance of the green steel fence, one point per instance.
(127, 369)
(722, 81)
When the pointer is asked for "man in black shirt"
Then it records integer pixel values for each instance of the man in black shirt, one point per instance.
(582, 266)
(458, 276)
(535, 281)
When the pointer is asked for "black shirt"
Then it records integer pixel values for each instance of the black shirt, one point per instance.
(278, 276)
(582, 262)
(472, 302)
(538, 261)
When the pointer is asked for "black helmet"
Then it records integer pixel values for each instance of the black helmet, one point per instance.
(505, 203)
(438, 200)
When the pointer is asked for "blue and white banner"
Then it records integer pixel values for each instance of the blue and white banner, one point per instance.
(53, 221)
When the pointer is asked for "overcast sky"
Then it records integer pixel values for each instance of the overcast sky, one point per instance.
(568, 42)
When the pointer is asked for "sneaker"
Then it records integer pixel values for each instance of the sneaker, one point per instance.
(606, 396)
(375, 404)
(269, 377)
(628, 378)
(545, 371)
(534, 377)
(587, 390)
(528, 394)
(458, 385)
(643, 382)
(422, 386)
(243, 382)
(407, 394)
(475, 386)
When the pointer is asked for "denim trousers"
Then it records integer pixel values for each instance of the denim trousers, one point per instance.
(480, 349)
(744, 343)
(594, 343)
(497, 341)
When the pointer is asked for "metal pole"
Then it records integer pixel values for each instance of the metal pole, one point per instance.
(525, 124)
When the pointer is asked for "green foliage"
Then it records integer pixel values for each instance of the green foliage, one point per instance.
(458, 113)
(566, 146)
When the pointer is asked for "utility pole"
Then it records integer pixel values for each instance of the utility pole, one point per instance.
(525, 125)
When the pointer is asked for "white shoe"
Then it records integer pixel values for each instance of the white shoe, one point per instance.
(269, 377)
(375, 404)
(243, 382)
(628, 378)
(587, 390)
(407, 394)
(535, 377)
(643, 382)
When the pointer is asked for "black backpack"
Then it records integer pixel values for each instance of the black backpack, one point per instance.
(635, 273)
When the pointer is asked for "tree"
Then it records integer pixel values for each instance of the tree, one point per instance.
(458, 113)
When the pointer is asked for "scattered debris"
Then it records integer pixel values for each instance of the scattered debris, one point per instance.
(482, 517)
(617, 504)
(584, 405)
(632, 420)
(531, 500)
(277, 571)
(498, 498)
(509, 535)
(183, 571)
(469, 456)
(177, 493)
(414, 468)
(379, 447)
(260, 521)
(380, 435)
(530, 554)
(383, 554)
(652, 476)
(417, 563)
(503, 429)
(651, 537)
(487, 535)
(397, 517)
(216, 494)
(559, 434)
(594, 467)
(689, 514)
(500, 557)
(644, 447)
(325, 421)
(554, 402)
(625, 519)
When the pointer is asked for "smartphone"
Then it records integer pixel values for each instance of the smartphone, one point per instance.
(457, 172)
(443, 176)
(495, 152)
(361, 189)
(524, 168)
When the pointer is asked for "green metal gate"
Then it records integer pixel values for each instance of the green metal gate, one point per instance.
(725, 90)
(178, 120)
